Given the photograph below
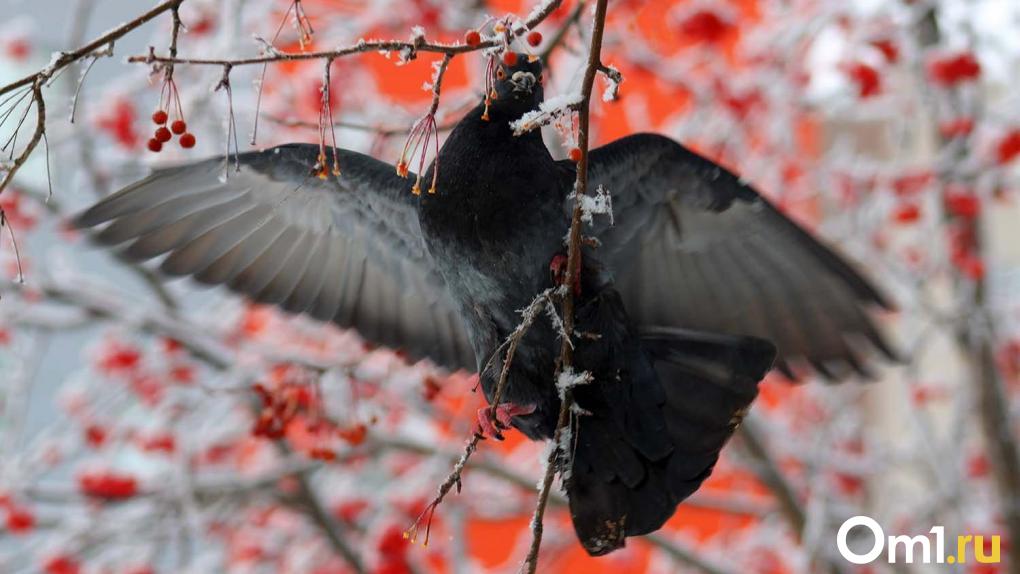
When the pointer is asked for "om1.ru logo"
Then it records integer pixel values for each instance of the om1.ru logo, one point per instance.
(911, 544)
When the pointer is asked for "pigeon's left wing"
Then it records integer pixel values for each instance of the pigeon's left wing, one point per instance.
(694, 247)
(346, 249)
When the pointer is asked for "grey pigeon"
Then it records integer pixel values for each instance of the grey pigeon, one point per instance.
(696, 284)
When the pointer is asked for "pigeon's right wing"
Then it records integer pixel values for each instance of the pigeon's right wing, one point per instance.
(345, 249)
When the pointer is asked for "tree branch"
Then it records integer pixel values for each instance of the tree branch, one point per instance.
(411, 47)
(66, 58)
(556, 454)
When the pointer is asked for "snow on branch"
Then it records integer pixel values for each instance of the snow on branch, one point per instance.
(548, 111)
(591, 205)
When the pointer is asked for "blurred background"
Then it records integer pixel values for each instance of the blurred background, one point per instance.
(133, 408)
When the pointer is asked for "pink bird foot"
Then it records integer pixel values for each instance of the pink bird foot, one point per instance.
(558, 270)
(503, 413)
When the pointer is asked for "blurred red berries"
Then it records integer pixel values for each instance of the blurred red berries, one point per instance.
(705, 27)
(107, 485)
(354, 435)
(889, 50)
(962, 204)
(118, 121)
(1008, 147)
(907, 213)
(19, 520)
(866, 78)
(954, 69)
(61, 564)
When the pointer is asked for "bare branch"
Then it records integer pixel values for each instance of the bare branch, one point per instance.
(556, 457)
(361, 47)
(66, 58)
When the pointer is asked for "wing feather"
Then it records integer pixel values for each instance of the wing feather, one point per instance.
(694, 247)
(346, 249)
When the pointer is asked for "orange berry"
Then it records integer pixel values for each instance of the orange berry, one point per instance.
(155, 145)
(510, 58)
(472, 38)
(159, 117)
(188, 141)
(534, 39)
(575, 154)
(162, 135)
(178, 127)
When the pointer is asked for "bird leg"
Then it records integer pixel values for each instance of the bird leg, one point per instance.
(502, 413)
(558, 269)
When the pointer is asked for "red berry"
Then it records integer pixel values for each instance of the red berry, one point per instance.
(188, 141)
(510, 58)
(155, 145)
(575, 154)
(159, 117)
(534, 39)
(19, 521)
(907, 213)
(178, 127)
(472, 38)
(162, 135)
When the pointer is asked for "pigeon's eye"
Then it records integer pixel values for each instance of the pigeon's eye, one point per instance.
(500, 74)
(540, 78)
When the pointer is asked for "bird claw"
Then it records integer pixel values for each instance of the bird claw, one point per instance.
(558, 270)
(493, 420)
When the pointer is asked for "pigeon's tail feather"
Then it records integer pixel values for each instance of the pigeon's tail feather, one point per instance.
(656, 426)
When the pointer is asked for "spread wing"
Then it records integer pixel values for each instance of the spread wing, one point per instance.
(346, 249)
(694, 247)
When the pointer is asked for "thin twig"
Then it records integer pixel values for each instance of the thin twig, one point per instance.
(329, 526)
(61, 62)
(271, 47)
(67, 58)
(410, 47)
(224, 84)
(454, 478)
(81, 80)
(556, 457)
(40, 128)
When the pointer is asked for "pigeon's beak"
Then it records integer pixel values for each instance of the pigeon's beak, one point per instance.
(523, 82)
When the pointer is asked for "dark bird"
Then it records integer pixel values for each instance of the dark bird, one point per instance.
(696, 288)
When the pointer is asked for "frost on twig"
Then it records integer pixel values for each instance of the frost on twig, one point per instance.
(548, 112)
(266, 47)
(613, 80)
(599, 204)
(417, 35)
(568, 379)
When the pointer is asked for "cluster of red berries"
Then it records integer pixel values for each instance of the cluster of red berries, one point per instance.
(163, 134)
(279, 407)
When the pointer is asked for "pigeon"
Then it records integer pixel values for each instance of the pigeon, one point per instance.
(689, 292)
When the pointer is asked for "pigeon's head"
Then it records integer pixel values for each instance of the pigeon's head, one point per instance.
(517, 83)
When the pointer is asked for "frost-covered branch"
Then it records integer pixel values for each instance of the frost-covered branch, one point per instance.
(556, 459)
(407, 48)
